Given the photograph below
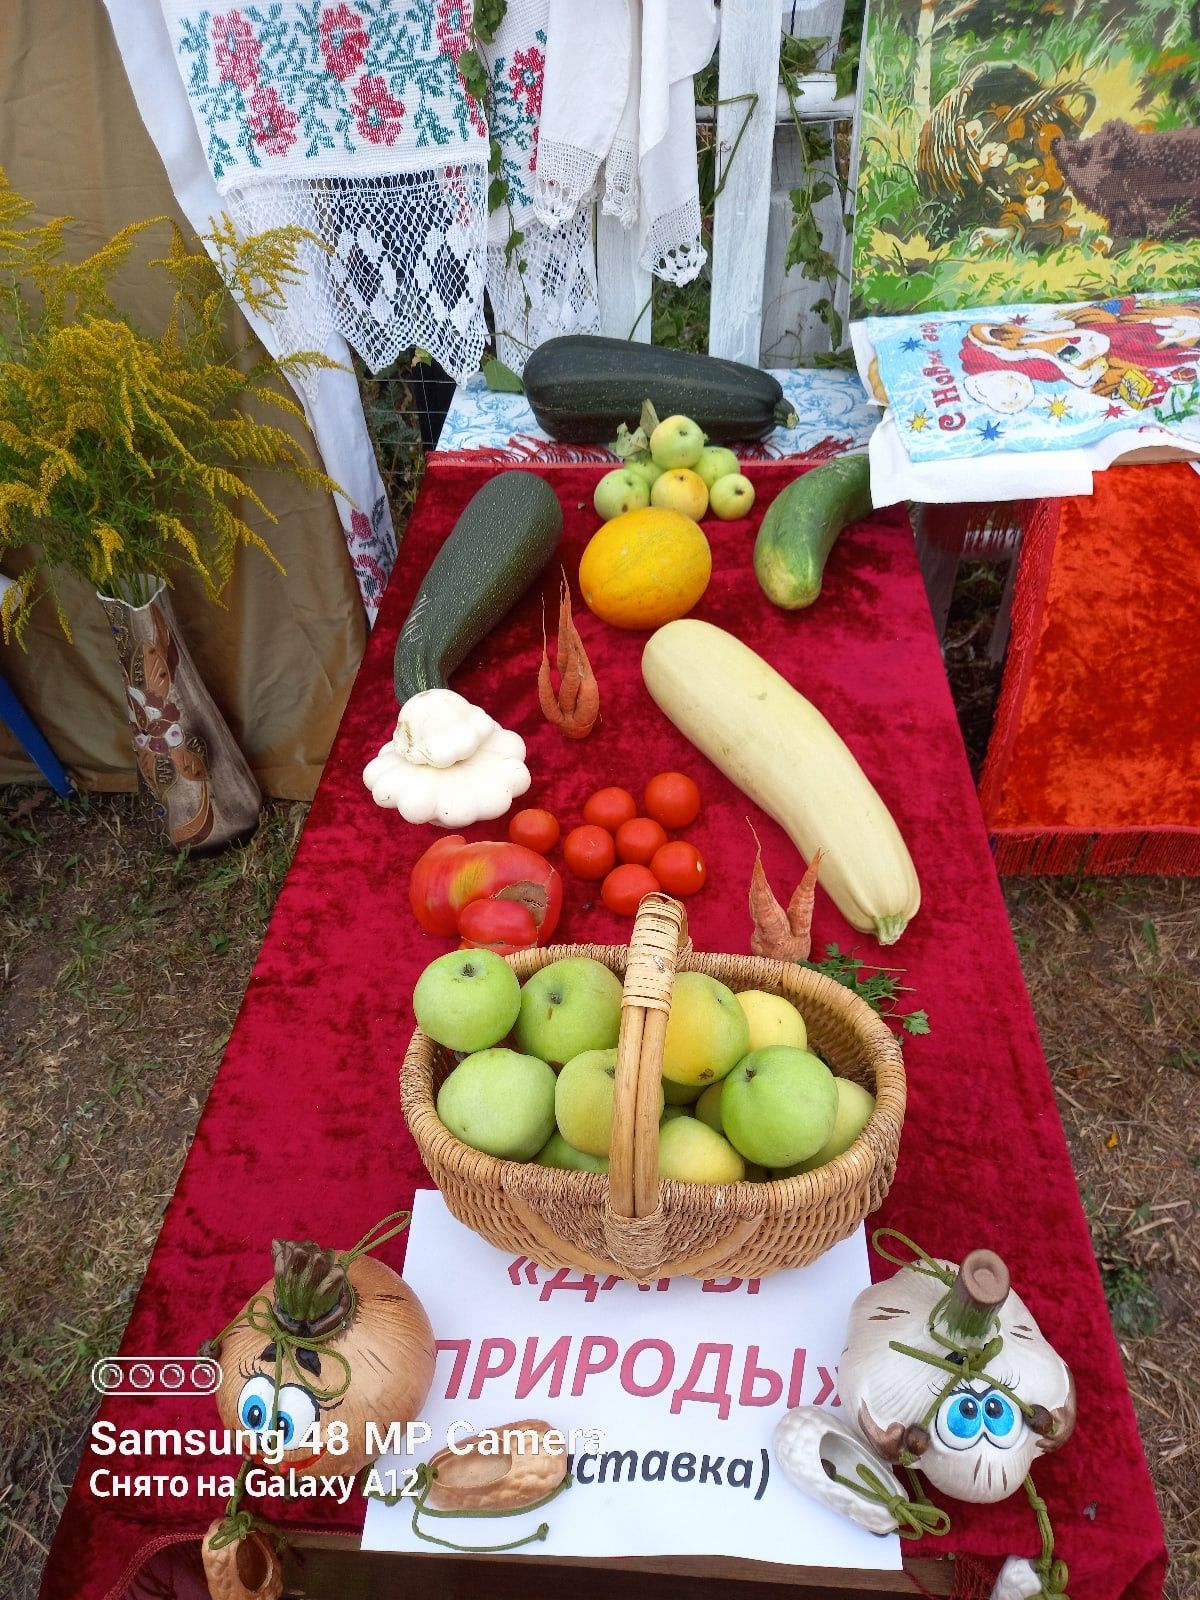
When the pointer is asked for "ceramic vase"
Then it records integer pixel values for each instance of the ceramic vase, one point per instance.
(202, 790)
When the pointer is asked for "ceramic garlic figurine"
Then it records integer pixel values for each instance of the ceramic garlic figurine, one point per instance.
(980, 1439)
(973, 1435)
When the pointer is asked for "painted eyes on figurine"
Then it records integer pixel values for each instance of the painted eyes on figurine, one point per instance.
(297, 1409)
(964, 1415)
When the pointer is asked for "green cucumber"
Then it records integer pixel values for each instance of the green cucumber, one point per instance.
(582, 387)
(494, 553)
(801, 527)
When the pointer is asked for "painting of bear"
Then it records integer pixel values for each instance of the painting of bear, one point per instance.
(1145, 185)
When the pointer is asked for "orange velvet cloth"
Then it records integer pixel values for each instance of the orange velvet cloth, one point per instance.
(1093, 760)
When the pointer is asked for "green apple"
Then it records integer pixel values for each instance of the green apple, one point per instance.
(467, 1000)
(671, 1112)
(691, 1151)
(708, 1107)
(731, 498)
(583, 1100)
(707, 1031)
(645, 467)
(716, 462)
(570, 1006)
(854, 1107)
(676, 442)
(500, 1102)
(772, 1019)
(622, 490)
(681, 1094)
(778, 1105)
(556, 1152)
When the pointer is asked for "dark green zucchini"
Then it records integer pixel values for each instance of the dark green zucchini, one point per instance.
(582, 387)
(494, 553)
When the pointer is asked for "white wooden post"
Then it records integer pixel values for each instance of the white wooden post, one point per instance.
(749, 66)
(624, 286)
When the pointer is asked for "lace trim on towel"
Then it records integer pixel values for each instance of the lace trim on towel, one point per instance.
(621, 183)
(397, 261)
(548, 287)
(564, 181)
(673, 249)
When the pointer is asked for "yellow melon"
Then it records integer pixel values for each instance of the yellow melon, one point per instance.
(645, 568)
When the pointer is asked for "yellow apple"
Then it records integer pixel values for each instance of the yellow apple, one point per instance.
(681, 1094)
(676, 442)
(773, 1020)
(707, 1031)
(693, 1152)
(708, 1107)
(682, 490)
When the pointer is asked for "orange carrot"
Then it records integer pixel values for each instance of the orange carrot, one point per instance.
(800, 906)
(781, 935)
(576, 705)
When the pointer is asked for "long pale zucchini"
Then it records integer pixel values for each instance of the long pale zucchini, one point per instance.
(782, 753)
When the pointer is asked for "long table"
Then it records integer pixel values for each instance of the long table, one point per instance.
(302, 1135)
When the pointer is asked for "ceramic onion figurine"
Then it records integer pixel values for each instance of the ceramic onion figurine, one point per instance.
(332, 1338)
(946, 1372)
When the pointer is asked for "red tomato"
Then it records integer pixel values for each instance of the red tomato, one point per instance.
(589, 852)
(626, 887)
(499, 925)
(679, 867)
(638, 840)
(609, 808)
(536, 830)
(672, 799)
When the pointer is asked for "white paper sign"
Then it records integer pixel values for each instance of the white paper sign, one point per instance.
(683, 1383)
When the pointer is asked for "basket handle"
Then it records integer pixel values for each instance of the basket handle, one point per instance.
(659, 934)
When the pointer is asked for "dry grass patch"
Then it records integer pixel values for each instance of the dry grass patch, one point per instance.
(1113, 967)
(123, 967)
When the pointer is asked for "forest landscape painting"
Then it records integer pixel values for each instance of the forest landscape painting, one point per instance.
(1026, 150)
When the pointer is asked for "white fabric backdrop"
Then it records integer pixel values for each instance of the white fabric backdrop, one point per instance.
(336, 416)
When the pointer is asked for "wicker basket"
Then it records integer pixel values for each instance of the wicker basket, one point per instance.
(629, 1222)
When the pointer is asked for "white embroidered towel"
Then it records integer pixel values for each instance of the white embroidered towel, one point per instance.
(541, 280)
(351, 120)
(587, 79)
(677, 41)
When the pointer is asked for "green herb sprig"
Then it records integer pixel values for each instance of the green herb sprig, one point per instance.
(880, 987)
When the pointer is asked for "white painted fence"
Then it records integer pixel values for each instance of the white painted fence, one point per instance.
(759, 314)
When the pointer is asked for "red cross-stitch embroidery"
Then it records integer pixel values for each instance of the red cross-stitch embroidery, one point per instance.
(379, 116)
(237, 49)
(344, 41)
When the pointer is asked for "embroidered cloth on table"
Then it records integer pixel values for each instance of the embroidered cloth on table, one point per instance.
(833, 414)
(352, 122)
(541, 280)
(1034, 398)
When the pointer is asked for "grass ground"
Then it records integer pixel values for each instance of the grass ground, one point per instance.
(122, 970)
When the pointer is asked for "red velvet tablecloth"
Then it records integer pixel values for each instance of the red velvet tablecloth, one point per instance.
(302, 1135)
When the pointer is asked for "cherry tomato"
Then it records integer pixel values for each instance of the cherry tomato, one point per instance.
(626, 887)
(672, 799)
(639, 839)
(679, 867)
(536, 830)
(589, 852)
(609, 808)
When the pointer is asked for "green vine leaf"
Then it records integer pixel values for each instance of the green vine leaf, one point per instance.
(474, 74)
(501, 379)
